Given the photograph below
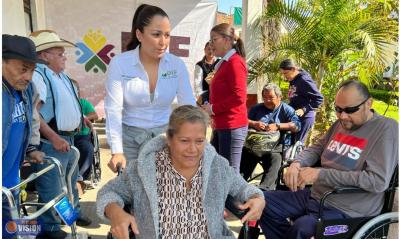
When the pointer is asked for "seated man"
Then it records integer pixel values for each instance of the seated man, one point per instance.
(272, 115)
(360, 149)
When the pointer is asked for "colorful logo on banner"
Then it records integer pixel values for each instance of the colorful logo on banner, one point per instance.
(94, 51)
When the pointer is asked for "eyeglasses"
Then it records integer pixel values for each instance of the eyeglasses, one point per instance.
(63, 54)
(349, 110)
(212, 40)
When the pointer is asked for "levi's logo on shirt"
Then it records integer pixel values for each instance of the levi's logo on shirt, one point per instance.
(345, 149)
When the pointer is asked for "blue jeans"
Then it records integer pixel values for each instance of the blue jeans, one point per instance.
(299, 207)
(49, 186)
(229, 144)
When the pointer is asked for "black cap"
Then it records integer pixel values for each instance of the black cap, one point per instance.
(18, 47)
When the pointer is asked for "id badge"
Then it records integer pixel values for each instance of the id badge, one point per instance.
(66, 212)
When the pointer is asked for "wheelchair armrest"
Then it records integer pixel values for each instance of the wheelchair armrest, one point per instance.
(231, 206)
(348, 189)
(337, 190)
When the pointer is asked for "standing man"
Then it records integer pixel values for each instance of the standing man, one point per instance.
(361, 149)
(18, 112)
(61, 118)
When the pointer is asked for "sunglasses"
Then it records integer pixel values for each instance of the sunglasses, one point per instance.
(349, 110)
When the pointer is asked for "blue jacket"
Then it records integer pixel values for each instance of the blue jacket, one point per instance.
(8, 102)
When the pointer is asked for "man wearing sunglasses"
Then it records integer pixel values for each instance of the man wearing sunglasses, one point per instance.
(360, 149)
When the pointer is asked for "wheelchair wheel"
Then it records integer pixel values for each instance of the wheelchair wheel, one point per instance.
(378, 227)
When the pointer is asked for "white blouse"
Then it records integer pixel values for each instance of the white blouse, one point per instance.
(128, 98)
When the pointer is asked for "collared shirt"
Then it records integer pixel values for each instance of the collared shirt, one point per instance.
(225, 58)
(128, 99)
(180, 210)
(67, 109)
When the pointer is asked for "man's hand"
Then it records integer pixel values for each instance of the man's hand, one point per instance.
(291, 176)
(35, 157)
(115, 160)
(299, 112)
(60, 144)
(258, 125)
(307, 175)
(87, 123)
(120, 221)
(256, 206)
(272, 127)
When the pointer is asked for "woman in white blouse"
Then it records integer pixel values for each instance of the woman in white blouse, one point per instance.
(141, 86)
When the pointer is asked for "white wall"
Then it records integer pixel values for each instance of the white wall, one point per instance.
(13, 17)
(251, 34)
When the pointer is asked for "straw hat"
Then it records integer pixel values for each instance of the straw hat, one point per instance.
(46, 39)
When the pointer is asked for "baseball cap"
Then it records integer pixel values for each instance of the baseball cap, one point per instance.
(21, 48)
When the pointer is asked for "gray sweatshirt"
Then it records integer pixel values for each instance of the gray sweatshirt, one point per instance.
(137, 186)
(365, 158)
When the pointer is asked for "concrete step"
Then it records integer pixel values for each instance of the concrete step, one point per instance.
(99, 124)
(100, 131)
(103, 141)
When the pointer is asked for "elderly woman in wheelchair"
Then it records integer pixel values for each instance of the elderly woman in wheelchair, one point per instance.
(178, 186)
(358, 159)
(269, 121)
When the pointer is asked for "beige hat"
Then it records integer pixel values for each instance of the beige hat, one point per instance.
(46, 39)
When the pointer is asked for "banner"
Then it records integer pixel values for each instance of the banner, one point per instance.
(101, 28)
(237, 16)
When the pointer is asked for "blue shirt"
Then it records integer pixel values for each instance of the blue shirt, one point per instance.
(13, 154)
(284, 113)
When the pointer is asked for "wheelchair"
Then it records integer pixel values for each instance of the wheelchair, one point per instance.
(287, 150)
(230, 204)
(95, 168)
(375, 227)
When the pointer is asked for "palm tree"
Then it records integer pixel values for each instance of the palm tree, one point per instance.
(332, 39)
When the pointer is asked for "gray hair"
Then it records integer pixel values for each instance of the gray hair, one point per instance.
(183, 114)
(274, 87)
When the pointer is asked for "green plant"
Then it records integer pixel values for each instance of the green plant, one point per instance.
(333, 40)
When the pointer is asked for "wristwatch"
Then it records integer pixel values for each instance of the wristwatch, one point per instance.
(278, 125)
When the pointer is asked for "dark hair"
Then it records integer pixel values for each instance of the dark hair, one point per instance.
(288, 64)
(183, 114)
(206, 45)
(227, 30)
(143, 15)
(360, 87)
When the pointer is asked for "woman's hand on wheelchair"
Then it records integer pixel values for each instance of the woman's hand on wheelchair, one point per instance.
(255, 205)
(120, 221)
(117, 159)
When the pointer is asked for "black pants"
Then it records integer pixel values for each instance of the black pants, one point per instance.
(85, 146)
(271, 162)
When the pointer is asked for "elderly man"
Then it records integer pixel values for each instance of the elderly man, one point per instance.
(360, 149)
(61, 118)
(272, 115)
(19, 124)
